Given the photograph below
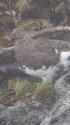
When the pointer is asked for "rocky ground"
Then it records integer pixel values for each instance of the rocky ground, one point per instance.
(34, 16)
(36, 113)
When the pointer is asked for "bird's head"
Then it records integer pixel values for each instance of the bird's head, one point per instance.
(18, 33)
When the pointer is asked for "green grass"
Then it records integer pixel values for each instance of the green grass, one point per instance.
(19, 85)
(43, 88)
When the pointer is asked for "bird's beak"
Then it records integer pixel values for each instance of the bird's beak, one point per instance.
(12, 37)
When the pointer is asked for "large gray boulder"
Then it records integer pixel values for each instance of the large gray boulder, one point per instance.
(31, 114)
(60, 113)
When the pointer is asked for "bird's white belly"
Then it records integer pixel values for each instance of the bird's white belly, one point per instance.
(42, 73)
(50, 72)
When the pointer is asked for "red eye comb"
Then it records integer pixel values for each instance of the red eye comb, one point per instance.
(19, 31)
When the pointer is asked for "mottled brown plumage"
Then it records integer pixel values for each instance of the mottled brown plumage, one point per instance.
(36, 53)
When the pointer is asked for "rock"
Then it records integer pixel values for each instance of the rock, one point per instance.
(31, 114)
(62, 85)
(35, 113)
(60, 114)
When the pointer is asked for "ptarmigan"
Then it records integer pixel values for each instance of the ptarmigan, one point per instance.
(39, 57)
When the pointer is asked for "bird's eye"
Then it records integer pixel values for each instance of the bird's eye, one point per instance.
(19, 31)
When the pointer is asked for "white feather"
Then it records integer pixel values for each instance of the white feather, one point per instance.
(64, 56)
(56, 51)
(64, 59)
(42, 73)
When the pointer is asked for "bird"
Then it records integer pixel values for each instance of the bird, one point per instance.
(39, 57)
